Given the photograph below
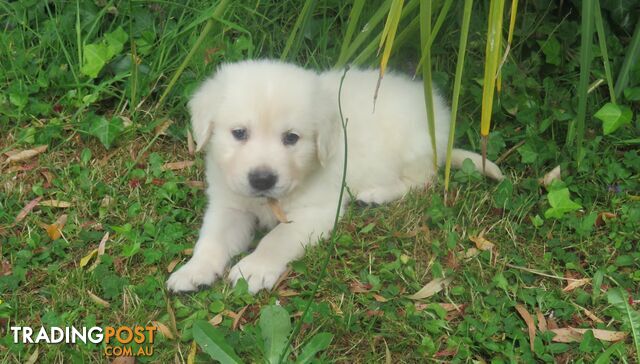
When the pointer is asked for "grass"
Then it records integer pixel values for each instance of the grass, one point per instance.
(381, 255)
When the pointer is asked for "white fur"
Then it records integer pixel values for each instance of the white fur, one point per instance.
(389, 152)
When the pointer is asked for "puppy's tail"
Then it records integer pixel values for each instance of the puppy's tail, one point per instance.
(491, 169)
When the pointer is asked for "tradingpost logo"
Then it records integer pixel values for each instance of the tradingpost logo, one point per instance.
(118, 341)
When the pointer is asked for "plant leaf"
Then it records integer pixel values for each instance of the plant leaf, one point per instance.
(213, 343)
(560, 203)
(431, 288)
(318, 342)
(620, 300)
(275, 326)
(105, 130)
(613, 117)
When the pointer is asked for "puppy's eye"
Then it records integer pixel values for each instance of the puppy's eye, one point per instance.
(240, 133)
(290, 138)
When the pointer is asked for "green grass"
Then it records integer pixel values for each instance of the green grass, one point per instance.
(381, 255)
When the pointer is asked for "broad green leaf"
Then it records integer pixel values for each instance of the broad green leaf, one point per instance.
(317, 343)
(620, 300)
(95, 57)
(551, 50)
(275, 326)
(213, 343)
(613, 117)
(561, 203)
(115, 42)
(105, 130)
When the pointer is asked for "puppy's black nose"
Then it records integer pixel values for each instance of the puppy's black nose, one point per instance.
(262, 179)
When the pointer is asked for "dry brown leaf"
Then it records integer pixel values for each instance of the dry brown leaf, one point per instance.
(99, 301)
(48, 176)
(191, 146)
(124, 360)
(287, 293)
(55, 203)
(387, 353)
(172, 265)
(569, 335)
(163, 329)
(551, 323)
(379, 298)
(542, 322)
(531, 326)
(236, 320)
(450, 306)
(33, 358)
(482, 243)
(5, 267)
(188, 251)
(174, 166)
(162, 128)
(18, 156)
(191, 358)
(282, 278)
(431, 288)
(336, 309)
(471, 253)
(27, 209)
(592, 316)
(55, 230)
(100, 251)
(196, 184)
(277, 210)
(551, 176)
(575, 283)
(374, 313)
(359, 287)
(603, 217)
(172, 317)
(216, 320)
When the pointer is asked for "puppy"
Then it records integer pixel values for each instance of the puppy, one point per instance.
(273, 130)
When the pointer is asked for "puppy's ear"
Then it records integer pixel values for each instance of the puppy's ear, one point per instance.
(202, 107)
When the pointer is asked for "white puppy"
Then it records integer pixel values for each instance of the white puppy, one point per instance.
(273, 130)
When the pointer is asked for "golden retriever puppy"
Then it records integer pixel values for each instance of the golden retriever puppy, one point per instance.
(273, 130)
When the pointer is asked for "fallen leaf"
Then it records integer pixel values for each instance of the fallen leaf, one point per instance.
(99, 301)
(18, 156)
(162, 128)
(282, 277)
(531, 326)
(482, 243)
(172, 317)
(542, 322)
(55, 203)
(191, 146)
(191, 358)
(188, 251)
(379, 298)
(236, 320)
(5, 267)
(569, 335)
(358, 287)
(174, 166)
(431, 288)
(471, 253)
(55, 230)
(33, 358)
(172, 265)
(163, 329)
(374, 313)
(603, 217)
(287, 293)
(446, 352)
(87, 258)
(100, 251)
(387, 353)
(27, 209)
(451, 306)
(196, 184)
(551, 176)
(124, 360)
(277, 210)
(551, 323)
(592, 316)
(216, 320)
(575, 283)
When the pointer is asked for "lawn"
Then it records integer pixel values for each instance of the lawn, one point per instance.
(101, 192)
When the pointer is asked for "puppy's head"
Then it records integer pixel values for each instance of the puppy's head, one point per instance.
(269, 125)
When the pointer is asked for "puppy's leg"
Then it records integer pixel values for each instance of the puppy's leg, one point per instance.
(286, 242)
(382, 194)
(225, 232)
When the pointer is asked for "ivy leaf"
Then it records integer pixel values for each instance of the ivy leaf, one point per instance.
(613, 117)
(561, 203)
(105, 130)
(96, 55)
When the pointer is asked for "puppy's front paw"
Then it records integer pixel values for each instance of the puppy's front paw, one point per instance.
(192, 276)
(258, 271)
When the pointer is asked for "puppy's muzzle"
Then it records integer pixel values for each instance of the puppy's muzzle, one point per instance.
(262, 179)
